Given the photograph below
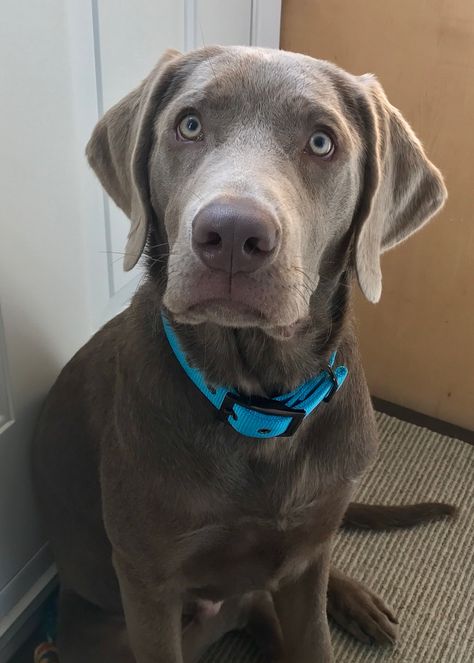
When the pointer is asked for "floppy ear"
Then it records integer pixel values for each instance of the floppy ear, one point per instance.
(402, 188)
(119, 148)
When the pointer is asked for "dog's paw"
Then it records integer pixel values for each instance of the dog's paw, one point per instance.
(359, 611)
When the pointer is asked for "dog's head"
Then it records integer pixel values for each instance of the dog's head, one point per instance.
(256, 168)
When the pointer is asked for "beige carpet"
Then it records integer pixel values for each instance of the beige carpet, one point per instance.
(426, 574)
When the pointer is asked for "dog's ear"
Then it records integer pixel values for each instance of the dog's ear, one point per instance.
(119, 148)
(402, 189)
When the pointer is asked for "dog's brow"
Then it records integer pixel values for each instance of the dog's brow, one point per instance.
(191, 98)
(314, 113)
(309, 110)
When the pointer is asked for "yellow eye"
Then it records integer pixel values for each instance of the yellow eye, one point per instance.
(321, 144)
(190, 128)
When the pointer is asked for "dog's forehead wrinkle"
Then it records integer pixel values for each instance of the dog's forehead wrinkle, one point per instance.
(246, 69)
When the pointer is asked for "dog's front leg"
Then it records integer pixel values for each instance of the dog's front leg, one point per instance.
(301, 607)
(153, 619)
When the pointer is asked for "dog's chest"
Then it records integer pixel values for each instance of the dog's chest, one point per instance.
(256, 549)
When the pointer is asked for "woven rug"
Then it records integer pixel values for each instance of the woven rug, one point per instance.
(425, 574)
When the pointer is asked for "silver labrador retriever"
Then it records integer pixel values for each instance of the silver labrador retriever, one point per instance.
(259, 182)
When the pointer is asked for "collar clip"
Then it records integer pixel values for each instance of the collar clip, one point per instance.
(256, 416)
(265, 406)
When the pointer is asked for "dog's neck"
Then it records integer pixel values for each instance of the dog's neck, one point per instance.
(253, 362)
(249, 359)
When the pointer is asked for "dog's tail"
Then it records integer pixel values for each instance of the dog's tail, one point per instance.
(385, 517)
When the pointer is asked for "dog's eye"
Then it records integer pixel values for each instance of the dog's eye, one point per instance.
(321, 144)
(190, 128)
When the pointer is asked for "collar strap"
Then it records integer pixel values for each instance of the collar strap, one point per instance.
(255, 416)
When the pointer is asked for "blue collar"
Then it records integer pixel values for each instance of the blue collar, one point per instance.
(255, 416)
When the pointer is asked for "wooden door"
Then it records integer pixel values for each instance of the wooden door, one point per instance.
(418, 342)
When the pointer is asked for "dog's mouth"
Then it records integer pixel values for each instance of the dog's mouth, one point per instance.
(230, 313)
(241, 301)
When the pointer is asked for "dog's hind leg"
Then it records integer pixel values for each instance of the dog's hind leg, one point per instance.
(359, 611)
(87, 633)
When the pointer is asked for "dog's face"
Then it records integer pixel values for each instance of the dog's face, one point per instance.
(259, 165)
(255, 173)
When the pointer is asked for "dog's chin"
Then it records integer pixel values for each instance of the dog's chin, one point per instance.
(228, 313)
(223, 312)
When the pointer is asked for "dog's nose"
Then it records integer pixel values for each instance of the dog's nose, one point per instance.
(235, 236)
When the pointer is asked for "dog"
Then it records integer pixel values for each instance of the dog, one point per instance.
(260, 184)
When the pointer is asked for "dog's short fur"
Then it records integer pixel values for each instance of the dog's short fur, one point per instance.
(156, 509)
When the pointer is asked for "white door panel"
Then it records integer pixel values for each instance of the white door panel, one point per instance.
(61, 239)
(43, 291)
(130, 37)
(218, 22)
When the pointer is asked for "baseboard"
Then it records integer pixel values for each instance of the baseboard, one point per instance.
(436, 425)
(24, 617)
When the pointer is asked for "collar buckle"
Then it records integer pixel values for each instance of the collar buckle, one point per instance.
(334, 385)
(263, 406)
